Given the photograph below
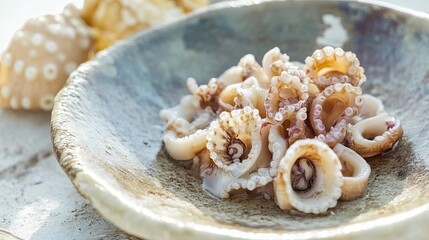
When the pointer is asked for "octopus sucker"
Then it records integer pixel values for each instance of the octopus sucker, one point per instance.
(296, 133)
(309, 178)
(298, 128)
(234, 140)
(251, 68)
(332, 110)
(288, 93)
(186, 128)
(240, 95)
(274, 63)
(355, 172)
(374, 135)
(242, 159)
(329, 66)
(185, 148)
(277, 144)
(372, 107)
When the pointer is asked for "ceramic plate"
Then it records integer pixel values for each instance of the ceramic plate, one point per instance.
(107, 132)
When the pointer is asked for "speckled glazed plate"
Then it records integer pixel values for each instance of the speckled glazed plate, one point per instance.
(107, 132)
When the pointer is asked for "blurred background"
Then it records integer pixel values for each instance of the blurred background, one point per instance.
(14, 13)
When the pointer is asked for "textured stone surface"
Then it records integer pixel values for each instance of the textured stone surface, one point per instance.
(107, 132)
(38, 201)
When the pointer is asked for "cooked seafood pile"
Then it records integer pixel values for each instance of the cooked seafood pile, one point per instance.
(293, 132)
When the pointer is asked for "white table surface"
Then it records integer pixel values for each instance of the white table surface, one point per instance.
(37, 200)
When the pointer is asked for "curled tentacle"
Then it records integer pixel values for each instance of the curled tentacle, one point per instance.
(251, 68)
(274, 63)
(277, 144)
(332, 110)
(288, 93)
(374, 135)
(355, 172)
(186, 130)
(371, 107)
(207, 94)
(329, 66)
(309, 178)
(298, 128)
(234, 140)
(238, 146)
(240, 95)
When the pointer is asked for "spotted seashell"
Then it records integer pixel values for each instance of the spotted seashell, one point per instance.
(40, 57)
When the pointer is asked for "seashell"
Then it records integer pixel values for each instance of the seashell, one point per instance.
(113, 20)
(309, 178)
(186, 130)
(329, 66)
(374, 135)
(355, 172)
(40, 57)
(287, 94)
(371, 107)
(191, 5)
(332, 110)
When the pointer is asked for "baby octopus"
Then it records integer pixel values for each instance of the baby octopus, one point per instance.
(296, 133)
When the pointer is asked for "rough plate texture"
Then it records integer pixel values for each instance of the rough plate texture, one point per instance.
(37, 201)
(107, 133)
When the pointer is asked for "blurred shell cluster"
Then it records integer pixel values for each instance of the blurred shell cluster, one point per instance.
(296, 133)
(46, 49)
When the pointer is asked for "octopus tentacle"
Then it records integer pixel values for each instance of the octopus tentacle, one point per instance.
(374, 135)
(329, 66)
(274, 63)
(371, 107)
(298, 128)
(238, 146)
(309, 178)
(277, 144)
(207, 94)
(234, 140)
(231, 76)
(240, 95)
(332, 110)
(355, 172)
(288, 93)
(251, 68)
(186, 128)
